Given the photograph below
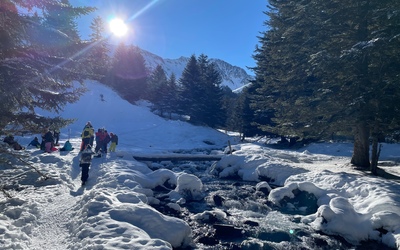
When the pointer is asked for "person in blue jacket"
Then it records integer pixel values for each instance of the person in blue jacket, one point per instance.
(35, 142)
(67, 146)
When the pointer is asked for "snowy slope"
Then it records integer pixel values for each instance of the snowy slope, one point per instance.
(138, 129)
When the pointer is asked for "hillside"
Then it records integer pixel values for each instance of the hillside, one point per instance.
(137, 127)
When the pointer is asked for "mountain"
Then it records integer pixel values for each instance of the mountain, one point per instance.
(232, 76)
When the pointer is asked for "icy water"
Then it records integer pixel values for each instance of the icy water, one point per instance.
(233, 215)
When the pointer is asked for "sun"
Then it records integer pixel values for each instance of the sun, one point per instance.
(118, 27)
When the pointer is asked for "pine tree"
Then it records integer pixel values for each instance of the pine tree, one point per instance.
(362, 66)
(98, 54)
(189, 90)
(128, 74)
(157, 89)
(171, 95)
(214, 114)
(61, 16)
(34, 74)
(200, 92)
(320, 69)
(286, 84)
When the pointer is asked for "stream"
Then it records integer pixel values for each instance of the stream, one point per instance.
(234, 215)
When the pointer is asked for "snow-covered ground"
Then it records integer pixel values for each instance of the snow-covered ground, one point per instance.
(113, 211)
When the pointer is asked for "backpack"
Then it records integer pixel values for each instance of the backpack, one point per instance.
(86, 133)
(86, 157)
(107, 139)
(116, 139)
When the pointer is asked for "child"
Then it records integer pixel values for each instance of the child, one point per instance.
(67, 146)
(35, 142)
(84, 163)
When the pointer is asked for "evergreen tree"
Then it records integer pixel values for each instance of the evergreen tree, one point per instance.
(157, 89)
(232, 103)
(61, 17)
(200, 93)
(98, 55)
(214, 114)
(283, 76)
(189, 90)
(320, 69)
(245, 118)
(34, 74)
(171, 95)
(128, 75)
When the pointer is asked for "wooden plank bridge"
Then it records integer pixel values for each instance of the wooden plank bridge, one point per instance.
(176, 157)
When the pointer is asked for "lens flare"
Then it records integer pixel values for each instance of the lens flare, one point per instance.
(118, 27)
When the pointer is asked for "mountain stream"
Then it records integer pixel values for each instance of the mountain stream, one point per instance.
(234, 215)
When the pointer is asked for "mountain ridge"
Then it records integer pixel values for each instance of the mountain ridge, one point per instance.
(232, 76)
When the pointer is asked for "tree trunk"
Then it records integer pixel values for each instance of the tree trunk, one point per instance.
(360, 156)
(375, 152)
(374, 156)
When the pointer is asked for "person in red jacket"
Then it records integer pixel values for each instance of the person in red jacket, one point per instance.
(100, 136)
(107, 140)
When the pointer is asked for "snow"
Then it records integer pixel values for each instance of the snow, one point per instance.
(113, 210)
(351, 204)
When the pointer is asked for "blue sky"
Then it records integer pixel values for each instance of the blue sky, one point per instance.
(223, 29)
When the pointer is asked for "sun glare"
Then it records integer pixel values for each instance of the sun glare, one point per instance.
(118, 27)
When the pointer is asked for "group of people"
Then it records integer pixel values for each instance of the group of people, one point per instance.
(102, 139)
(50, 139)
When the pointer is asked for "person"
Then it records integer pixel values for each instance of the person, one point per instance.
(9, 139)
(48, 141)
(114, 141)
(56, 134)
(35, 142)
(100, 135)
(87, 134)
(67, 146)
(84, 163)
(42, 144)
(105, 142)
(90, 127)
(14, 144)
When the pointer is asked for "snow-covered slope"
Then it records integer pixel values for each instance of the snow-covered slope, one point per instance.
(232, 76)
(137, 127)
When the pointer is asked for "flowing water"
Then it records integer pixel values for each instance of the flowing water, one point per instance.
(233, 215)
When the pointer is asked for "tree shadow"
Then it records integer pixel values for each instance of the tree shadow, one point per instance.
(382, 173)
